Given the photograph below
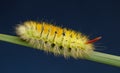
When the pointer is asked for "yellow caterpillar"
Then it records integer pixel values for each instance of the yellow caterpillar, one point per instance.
(60, 41)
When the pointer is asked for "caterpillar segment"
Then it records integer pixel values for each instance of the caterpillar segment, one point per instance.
(60, 41)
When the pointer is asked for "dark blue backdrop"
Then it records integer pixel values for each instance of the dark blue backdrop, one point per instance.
(92, 17)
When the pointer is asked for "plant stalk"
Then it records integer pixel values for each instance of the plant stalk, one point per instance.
(95, 56)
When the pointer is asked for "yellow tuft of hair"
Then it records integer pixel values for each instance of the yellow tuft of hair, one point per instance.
(50, 38)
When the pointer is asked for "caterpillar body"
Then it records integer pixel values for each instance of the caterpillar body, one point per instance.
(51, 38)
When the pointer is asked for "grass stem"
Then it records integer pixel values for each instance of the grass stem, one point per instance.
(95, 56)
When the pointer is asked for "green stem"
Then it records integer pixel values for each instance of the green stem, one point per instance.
(13, 39)
(95, 56)
(104, 58)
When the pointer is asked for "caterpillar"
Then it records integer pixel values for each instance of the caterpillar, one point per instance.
(58, 40)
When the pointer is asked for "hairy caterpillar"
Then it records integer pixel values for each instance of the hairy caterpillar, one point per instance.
(60, 41)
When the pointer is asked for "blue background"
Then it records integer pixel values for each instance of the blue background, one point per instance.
(92, 17)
